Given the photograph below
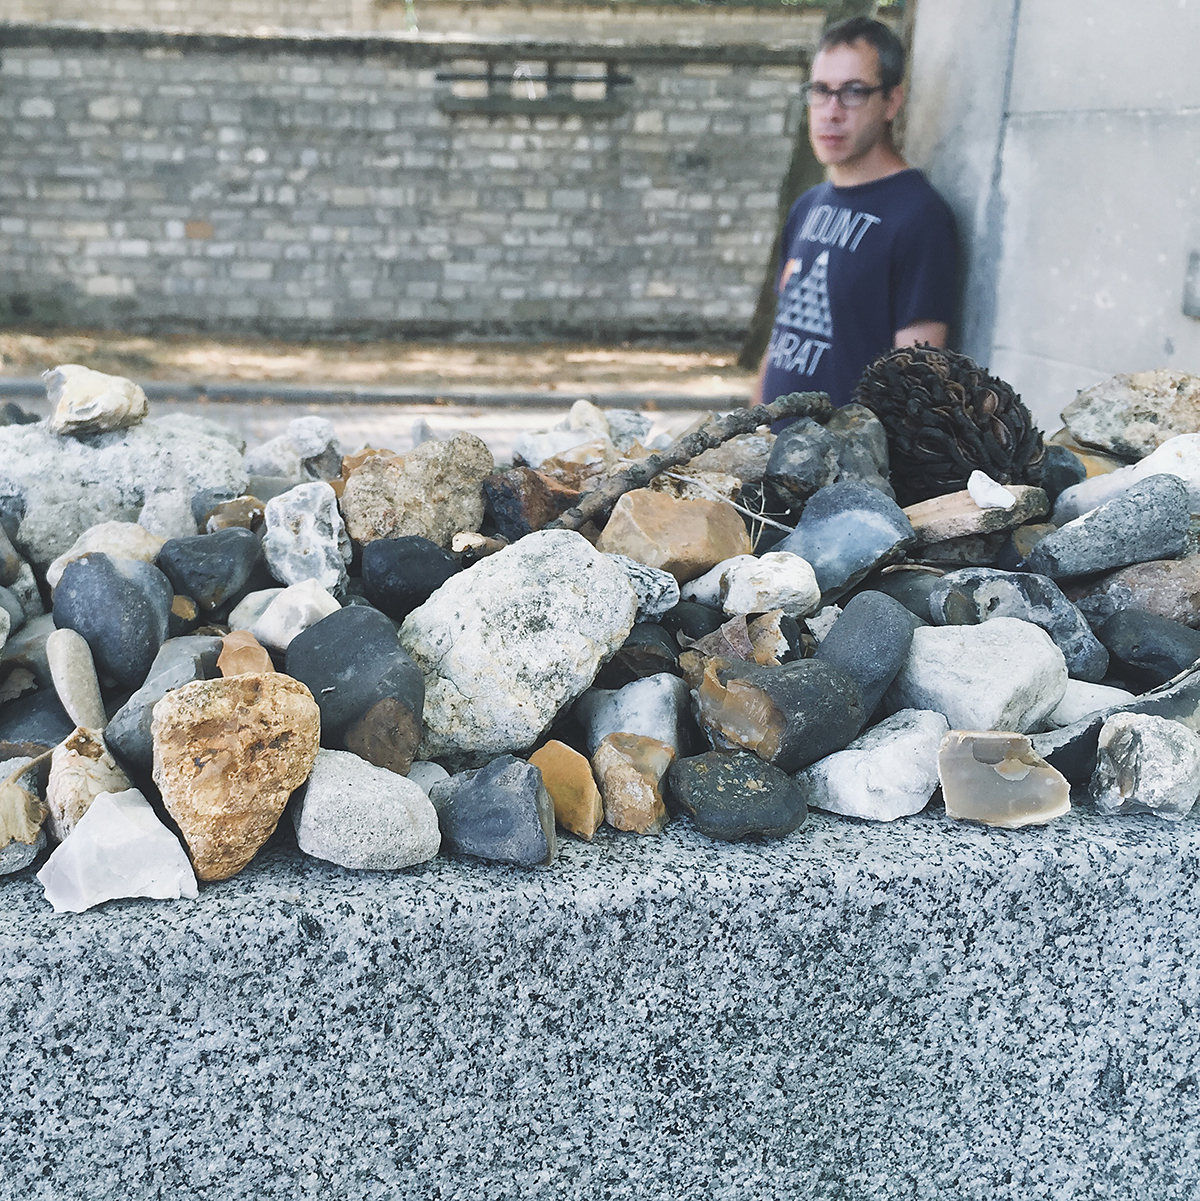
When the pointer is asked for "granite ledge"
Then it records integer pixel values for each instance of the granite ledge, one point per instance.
(917, 1010)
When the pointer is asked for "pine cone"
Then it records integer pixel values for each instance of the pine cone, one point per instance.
(945, 417)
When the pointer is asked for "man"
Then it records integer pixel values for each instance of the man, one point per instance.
(867, 258)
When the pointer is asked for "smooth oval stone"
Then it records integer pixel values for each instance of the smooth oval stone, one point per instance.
(122, 607)
(74, 673)
(500, 812)
(846, 530)
(977, 594)
(210, 568)
(1149, 520)
(295, 609)
(870, 642)
(370, 692)
(648, 651)
(735, 796)
(1151, 648)
(398, 574)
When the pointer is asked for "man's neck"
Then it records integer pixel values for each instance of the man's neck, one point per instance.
(879, 163)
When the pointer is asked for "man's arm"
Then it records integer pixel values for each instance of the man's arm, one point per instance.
(933, 332)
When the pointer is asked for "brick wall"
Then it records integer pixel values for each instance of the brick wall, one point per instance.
(293, 185)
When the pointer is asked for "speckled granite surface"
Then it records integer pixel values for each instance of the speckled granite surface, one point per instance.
(913, 1011)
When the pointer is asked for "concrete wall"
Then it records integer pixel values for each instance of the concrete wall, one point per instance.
(316, 185)
(1067, 138)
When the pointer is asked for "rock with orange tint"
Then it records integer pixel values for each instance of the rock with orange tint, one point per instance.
(630, 769)
(522, 500)
(685, 537)
(243, 654)
(568, 778)
(227, 755)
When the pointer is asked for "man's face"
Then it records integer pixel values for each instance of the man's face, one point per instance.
(842, 136)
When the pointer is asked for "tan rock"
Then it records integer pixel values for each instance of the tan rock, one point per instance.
(185, 609)
(121, 539)
(81, 768)
(22, 811)
(685, 537)
(956, 515)
(246, 512)
(1026, 537)
(243, 654)
(630, 769)
(579, 467)
(435, 491)
(227, 755)
(73, 671)
(90, 402)
(1095, 462)
(995, 777)
(1132, 415)
(568, 778)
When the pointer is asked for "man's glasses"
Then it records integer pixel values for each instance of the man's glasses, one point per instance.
(849, 95)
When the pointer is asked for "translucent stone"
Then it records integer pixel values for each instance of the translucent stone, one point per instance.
(995, 777)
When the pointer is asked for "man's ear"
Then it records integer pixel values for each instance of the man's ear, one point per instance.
(894, 101)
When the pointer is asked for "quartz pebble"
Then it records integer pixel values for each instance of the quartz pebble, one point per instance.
(1146, 764)
(90, 402)
(361, 816)
(74, 674)
(291, 612)
(241, 653)
(996, 778)
(119, 848)
(731, 796)
(889, 772)
(81, 768)
(227, 755)
(568, 778)
(306, 538)
(500, 812)
(630, 770)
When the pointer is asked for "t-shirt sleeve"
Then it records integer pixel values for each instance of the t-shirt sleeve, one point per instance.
(786, 238)
(923, 279)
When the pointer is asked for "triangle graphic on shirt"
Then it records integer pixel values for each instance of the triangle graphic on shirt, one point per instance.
(804, 304)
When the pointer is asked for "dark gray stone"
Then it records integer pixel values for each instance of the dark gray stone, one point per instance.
(736, 795)
(870, 642)
(370, 692)
(976, 594)
(647, 651)
(693, 620)
(500, 812)
(910, 586)
(1149, 649)
(210, 568)
(398, 574)
(808, 455)
(1150, 520)
(179, 661)
(121, 607)
(1061, 468)
(845, 531)
(36, 718)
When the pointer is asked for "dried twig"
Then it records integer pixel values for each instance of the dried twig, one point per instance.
(717, 429)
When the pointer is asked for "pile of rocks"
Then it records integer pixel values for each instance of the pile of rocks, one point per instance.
(415, 653)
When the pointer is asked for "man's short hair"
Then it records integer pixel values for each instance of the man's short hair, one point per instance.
(874, 33)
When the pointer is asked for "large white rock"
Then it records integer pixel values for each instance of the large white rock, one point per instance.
(1005, 674)
(1146, 764)
(890, 771)
(306, 538)
(90, 402)
(776, 580)
(507, 643)
(119, 848)
(68, 485)
(358, 815)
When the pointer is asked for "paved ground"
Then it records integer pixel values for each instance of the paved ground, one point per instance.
(433, 378)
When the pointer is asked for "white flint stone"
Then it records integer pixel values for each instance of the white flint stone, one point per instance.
(706, 589)
(361, 816)
(1082, 699)
(288, 456)
(291, 612)
(652, 707)
(987, 493)
(890, 771)
(73, 671)
(776, 580)
(251, 607)
(822, 621)
(90, 402)
(425, 774)
(168, 514)
(1005, 674)
(1146, 764)
(587, 417)
(627, 426)
(119, 539)
(507, 643)
(118, 849)
(306, 537)
(536, 448)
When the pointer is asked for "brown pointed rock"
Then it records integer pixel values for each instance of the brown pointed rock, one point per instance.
(685, 537)
(242, 654)
(956, 515)
(227, 755)
(568, 778)
(630, 769)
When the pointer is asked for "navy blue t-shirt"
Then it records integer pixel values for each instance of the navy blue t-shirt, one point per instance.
(868, 260)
